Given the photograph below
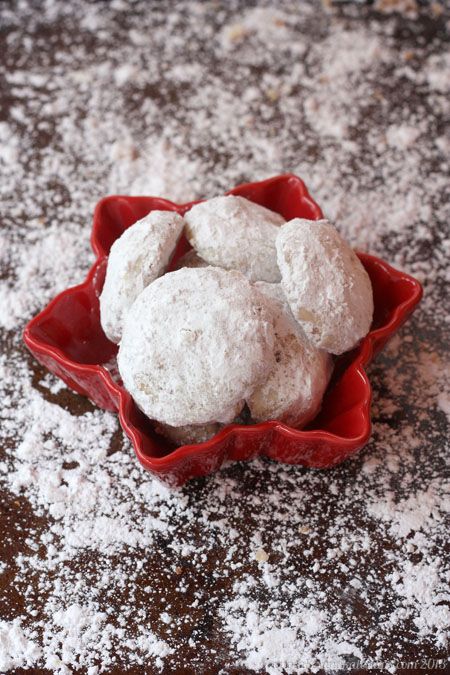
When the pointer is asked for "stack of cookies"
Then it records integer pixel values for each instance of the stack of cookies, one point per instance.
(248, 320)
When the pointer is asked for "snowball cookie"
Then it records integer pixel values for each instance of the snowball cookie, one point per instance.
(195, 344)
(138, 257)
(327, 288)
(189, 434)
(293, 391)
(234, 233)
(190, 259)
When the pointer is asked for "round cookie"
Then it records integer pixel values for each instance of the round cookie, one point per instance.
(293, 391)
(195, 344)
(235, 233)
(328, 289)
(189, 434)
(140, 255)
(190, 259)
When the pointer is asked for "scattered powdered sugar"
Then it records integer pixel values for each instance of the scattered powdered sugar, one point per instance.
(41, 253)
(16, 649)
(262, 566)
(413, 513)
(156, 169)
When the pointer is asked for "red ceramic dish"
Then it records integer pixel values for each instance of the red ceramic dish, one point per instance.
(67, 338)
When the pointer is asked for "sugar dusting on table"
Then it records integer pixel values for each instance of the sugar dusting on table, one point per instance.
(185, 104)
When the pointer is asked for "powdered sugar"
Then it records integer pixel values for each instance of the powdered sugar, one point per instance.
(411, 514)
(292, 392)
(98, 555)
(137, 257)
(235, 233)
(16, 649)
(326, 285)
(220, 348)
(154, 169)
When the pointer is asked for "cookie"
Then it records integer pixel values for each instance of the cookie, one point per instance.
(195, 344)
(136, 259)
(189, 434)
(190, 259)
(293, 390)
(328, 289)
(235, 233)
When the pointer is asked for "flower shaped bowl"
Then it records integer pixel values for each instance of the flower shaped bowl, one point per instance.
(67, 338)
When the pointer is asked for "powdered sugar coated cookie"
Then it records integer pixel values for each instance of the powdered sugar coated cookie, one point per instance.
(294, 389)
(235, 233)
(327, 288)
(195, 344)
(189, 434)
(138, 257)
(190, 259)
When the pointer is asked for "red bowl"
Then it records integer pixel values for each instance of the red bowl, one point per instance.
(67, 338)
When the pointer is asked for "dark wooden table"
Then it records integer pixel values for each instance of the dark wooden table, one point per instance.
(188, 99)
